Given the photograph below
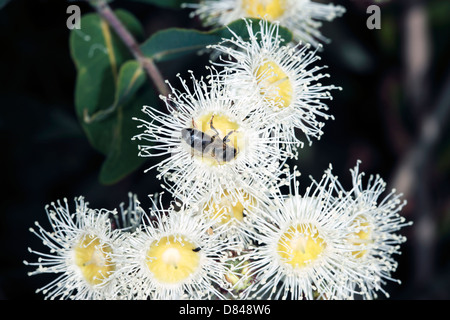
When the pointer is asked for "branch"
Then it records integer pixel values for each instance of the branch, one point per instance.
(105, 11)
(407, 176)
(431, 124)
(417, 57)
(412, 176)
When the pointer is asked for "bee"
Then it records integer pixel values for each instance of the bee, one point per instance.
(222, 150)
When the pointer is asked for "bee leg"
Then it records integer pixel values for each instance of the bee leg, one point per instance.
(193, 124)
(212, 127)
(225, 139)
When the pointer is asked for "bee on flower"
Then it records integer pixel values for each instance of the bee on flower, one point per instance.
(303, 18)
(213, 142)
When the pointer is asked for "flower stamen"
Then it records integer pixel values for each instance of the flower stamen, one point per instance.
(275, 84)
(300, 245)
(92, 258)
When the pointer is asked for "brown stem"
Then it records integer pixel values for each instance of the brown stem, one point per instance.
(412, 176)
(105, 11)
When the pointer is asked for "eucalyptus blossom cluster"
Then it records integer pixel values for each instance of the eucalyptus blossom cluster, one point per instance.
(239, 225)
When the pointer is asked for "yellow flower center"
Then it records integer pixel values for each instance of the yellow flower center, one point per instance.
(300, 245)
(274, 84)
(171, 260)
(228, 208)
(92, 258)
(220, 126)
(363, 236)
(272, 9)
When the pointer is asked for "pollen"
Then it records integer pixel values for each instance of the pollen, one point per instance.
(172, 260)
(91, 256)
(300, 245)
(270, 9)
(274, 84)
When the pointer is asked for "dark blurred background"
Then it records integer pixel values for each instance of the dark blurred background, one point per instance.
(392, 114)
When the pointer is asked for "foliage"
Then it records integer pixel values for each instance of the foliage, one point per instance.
(112, 86)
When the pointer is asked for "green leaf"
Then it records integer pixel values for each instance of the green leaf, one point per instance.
(106, 91)
(123, 158)
(167, 3)
(173, 43)
(3, 3)
(98, 54)
(131, 78)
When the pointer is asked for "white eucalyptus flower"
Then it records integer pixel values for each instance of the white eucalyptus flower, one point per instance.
(80, 244)
(212, 141)
(285, 80)
(377, 238)
(302, 17)
(175, 255)
(301, 246)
